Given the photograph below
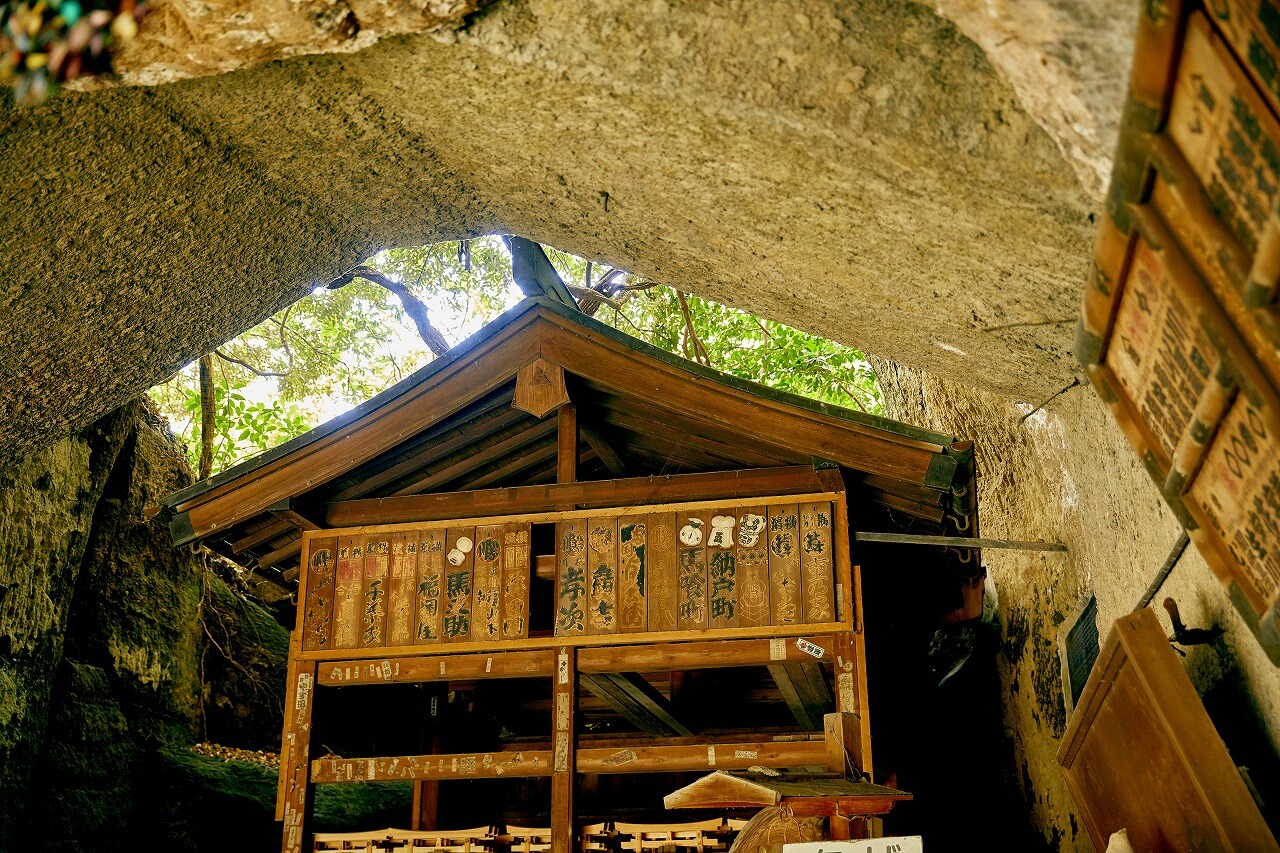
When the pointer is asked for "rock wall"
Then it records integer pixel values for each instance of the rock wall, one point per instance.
(1066, 474)
(118, 652)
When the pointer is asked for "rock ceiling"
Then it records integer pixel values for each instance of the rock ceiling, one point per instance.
(915, 181)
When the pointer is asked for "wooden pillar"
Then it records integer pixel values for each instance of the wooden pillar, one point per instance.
(295, 759)
(567, 444)
(426, 794)
(564, 693)
(851, 692)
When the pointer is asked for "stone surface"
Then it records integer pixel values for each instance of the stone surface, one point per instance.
(862, 170)
(118, 651)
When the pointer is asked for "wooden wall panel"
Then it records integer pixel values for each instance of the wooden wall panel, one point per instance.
(429, 548)
(753, 567)
(663, 590)
(321, 560)
(571, 578)
(402, 592)
(691, 564)
(786, 603)
(602, 576)
(722, 569)
(486, 618)
(373, 593)
(346, 602)
(632, 573)
(459, 559)
(816, 562)
(516, 565)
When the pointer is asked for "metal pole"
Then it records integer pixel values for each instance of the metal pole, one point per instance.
(1163, 575)
(956, 541)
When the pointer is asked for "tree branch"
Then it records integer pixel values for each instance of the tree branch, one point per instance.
(246, 365)
(691, 335)
(413, 306)
(207, 416)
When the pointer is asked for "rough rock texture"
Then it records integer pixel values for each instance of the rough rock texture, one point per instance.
(1067, 475)
(46, 514)
(859, 169)
(195, 38)
(105, 633)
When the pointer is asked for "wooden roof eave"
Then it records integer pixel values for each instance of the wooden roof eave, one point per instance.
(542, 328)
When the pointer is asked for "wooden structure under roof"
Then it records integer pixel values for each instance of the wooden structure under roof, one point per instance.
(575, 530)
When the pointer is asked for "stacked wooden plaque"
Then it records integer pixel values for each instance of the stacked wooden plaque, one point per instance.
(1181, 325)
(721, 567)
(664, 568)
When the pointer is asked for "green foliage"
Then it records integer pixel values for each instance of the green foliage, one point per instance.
(336, 348)
(738, 343)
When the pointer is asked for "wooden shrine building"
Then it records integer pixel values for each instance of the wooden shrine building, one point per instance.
(578, 573)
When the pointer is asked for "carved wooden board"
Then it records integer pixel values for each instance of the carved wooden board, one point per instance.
(429, 547)
(402, 599)
(373, 604)
(691, 563)
(663, 581)
(515, 581)
(317, 612)
(571, 578)
(459, 562)
(633, 550)
(346, 603)
(1180, 328)
(816, 562)
(602, 576)
(486, 619)
(785, 590)
(1141, 754)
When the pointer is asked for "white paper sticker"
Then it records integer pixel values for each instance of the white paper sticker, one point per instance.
(711, 756)
(777, 649)
(812, 649)
(746, 753)
(562, 668)
(488, 664)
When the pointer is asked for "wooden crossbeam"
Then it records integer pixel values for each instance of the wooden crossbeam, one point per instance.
(805, 691)
(743, 483)
(538, 762)
(478, 457)
(636, 700)
(608, 455)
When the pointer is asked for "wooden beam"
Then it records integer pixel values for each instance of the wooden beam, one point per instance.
(636, 700)
(285, 510)
(567, 443)
(604, 450)
(478, 457)
(743, 483)
(844, 744)
(279, 555)
(707, 654)
(521, 461)
(564, 761)
(266, 533)
(798, 685)
(739, 755)
(499, 423)
(439, 667)
(297, 786)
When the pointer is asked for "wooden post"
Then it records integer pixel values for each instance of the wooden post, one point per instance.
(426, 794)
(851, 691)
(564, 692)
(567, 443)
(296, 760)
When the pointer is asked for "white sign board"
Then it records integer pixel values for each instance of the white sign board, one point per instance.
(898, 844)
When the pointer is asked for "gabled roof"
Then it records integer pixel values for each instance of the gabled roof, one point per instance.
(450, 427)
